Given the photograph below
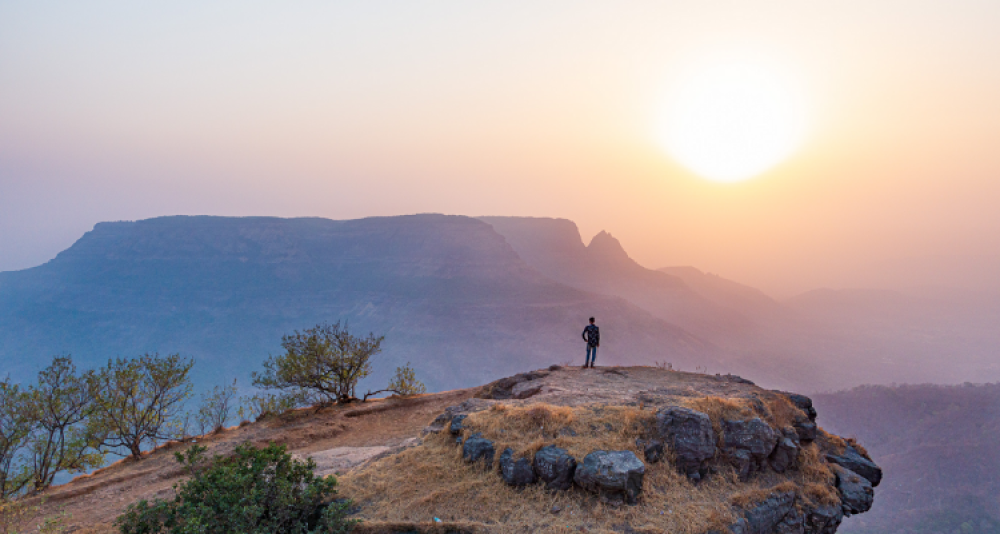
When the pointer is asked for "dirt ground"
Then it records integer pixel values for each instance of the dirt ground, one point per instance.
(341, 438)
(89, 504)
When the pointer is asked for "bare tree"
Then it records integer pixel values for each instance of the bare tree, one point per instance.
(326, 362)
(15, 430)
(404, 383)
(216, 407)
(137, 401)
(60, 406)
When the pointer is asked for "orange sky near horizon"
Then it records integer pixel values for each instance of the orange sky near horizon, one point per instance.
(113, 110)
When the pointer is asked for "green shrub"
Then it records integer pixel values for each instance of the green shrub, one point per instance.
(254, 491)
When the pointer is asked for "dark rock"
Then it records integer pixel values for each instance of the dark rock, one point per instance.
(516, 472)
(755, 438)
(856, 493)
(438, 424)
(743, 462)
(824, 519)
(555, 467)
(754, 435)
(784, 456)
(765, 517)
(503, 389)
(653, 451)
(853, 459)
(478, 448)
(794, 522)
(801, 402)
(457, 424)
(616, 474)
(689, 435)
(555, 367)
(805, 429)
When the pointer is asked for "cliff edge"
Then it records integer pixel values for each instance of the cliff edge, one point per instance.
(622, 449)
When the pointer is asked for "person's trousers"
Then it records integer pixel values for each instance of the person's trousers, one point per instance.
(591, 355)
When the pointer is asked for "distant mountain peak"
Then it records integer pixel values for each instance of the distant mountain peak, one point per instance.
(605, 245)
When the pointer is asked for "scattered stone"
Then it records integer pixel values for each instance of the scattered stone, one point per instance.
(856, 493)
(567, 431)
(784, 456)
(689, 435)
(477, 448)
(616, 474)
(853, 459)
(438, 424)
(555, 467)
(516, 472)
(555, 509)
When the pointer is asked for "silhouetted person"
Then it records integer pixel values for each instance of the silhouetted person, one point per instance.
(592, 335)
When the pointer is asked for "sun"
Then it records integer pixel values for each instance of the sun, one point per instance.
(733, 120)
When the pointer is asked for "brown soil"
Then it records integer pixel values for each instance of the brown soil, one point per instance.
(399, 479)
(90, 503)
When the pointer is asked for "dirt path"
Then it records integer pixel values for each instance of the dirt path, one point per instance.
(90, 503)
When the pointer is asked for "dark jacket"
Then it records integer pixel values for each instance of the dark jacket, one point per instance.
(592, 335)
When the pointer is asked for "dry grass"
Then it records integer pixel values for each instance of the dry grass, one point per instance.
(756, 495)
(432, 480)
(854, 443)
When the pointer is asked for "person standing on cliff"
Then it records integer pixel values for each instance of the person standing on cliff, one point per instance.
(592, 335)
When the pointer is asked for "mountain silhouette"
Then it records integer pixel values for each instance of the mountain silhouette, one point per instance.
(451, 296)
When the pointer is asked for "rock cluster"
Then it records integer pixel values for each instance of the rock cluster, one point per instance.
(695, 447)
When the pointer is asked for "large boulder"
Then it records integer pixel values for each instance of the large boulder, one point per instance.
(689, 435)
(856, 493)
(617, 474)
(748, 444)
(478, 449)
(555, 467)
(516, 472)
(855, 461)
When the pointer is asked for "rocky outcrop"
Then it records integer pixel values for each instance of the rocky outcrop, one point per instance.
(745, 439)
(856, 492)
(853, 460)
(615, 474)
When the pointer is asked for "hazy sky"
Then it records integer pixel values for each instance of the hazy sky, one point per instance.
(129, 110)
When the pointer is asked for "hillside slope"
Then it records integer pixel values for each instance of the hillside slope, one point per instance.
(938, 447)
(448, 292)
(619, 449)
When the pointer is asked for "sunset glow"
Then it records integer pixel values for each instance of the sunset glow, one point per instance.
(733, 121)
